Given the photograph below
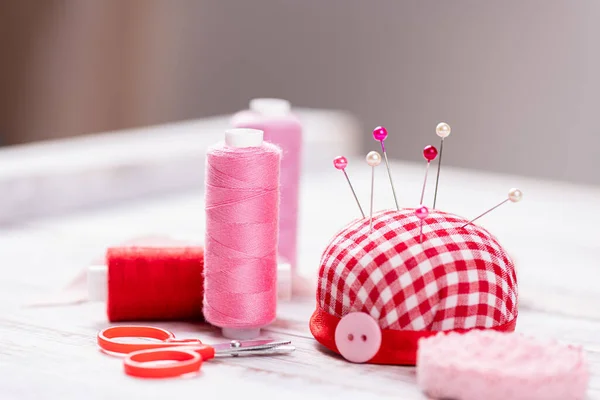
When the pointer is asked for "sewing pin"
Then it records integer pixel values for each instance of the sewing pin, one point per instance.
(430, 153)
(373, 159)
(341, 163)
(422, 212)
(514, 195)
(442, 130)
(380, 134)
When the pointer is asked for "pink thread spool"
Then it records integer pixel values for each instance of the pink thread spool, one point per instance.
(282, 128)
(242, 209)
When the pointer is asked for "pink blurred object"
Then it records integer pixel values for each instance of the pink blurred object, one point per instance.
(493, 365)
(281, 127)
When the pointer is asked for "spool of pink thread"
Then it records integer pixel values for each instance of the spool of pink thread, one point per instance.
(242, 214)
(282, 128)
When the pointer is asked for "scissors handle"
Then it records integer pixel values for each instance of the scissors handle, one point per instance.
(185, 360)
(185, 356)
(107, 342)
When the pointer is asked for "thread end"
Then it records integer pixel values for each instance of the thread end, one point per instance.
(240, 334)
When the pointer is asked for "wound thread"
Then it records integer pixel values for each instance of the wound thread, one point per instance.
(242, 207)
(154, 283)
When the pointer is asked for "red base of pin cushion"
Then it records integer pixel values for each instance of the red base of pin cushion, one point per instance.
(397, 347)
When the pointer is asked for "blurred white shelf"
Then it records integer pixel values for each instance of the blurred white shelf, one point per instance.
(47, 177)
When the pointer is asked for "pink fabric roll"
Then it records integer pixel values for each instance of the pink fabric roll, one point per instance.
(500, 366)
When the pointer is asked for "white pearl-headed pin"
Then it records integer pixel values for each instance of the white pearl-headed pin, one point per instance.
(443, 131)
(514, 195)
(373, 159)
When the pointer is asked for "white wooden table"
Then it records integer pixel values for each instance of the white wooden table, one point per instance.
(50, 353)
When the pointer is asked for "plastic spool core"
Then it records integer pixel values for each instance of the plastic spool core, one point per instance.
(271, 107)
(240, 334)
(97, 283)
(241, 138)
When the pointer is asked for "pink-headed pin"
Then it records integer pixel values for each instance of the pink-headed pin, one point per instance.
(429, 153)
(380, 134)
(341, 163)
(421, 212)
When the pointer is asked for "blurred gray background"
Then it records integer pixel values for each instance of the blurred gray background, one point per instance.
(518, 81)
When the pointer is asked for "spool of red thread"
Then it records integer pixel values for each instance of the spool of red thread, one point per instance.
(142, 283)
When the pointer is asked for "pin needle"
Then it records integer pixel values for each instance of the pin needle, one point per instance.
(422, 212)
(430, 153)
(380, 134)
(373, 159)
(442, 130)
(341, 163)
(514, 195)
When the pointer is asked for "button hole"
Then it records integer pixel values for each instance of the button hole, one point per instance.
(364, 338)
(350, 337)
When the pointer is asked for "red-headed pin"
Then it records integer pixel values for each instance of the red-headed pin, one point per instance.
(341, 163)
(430, 153)
(514, 195)
(379, 134)
(373, 159)
(422, 212)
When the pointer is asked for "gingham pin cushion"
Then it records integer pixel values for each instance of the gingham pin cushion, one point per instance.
(379, 292)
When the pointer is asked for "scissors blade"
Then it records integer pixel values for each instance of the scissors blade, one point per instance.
(254, 347)
(248, 343)
(261, 351)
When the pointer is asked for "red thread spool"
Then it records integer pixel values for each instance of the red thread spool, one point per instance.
(155, 283)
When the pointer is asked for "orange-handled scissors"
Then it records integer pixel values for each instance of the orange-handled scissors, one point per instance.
(187, 354)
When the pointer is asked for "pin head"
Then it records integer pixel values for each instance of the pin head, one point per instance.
(443, 130)
(515, 195)
(380, 133)
(340, 162)
(422, 212)
(430, 153)
(373, 158)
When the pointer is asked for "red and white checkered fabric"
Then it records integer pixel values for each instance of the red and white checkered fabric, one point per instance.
(458, 278)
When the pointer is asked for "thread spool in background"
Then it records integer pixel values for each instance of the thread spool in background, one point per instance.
(242, 215)
(282, 128)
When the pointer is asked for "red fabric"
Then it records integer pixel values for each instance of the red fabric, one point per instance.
(397, 347)
(458, 278)
(155, 283)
